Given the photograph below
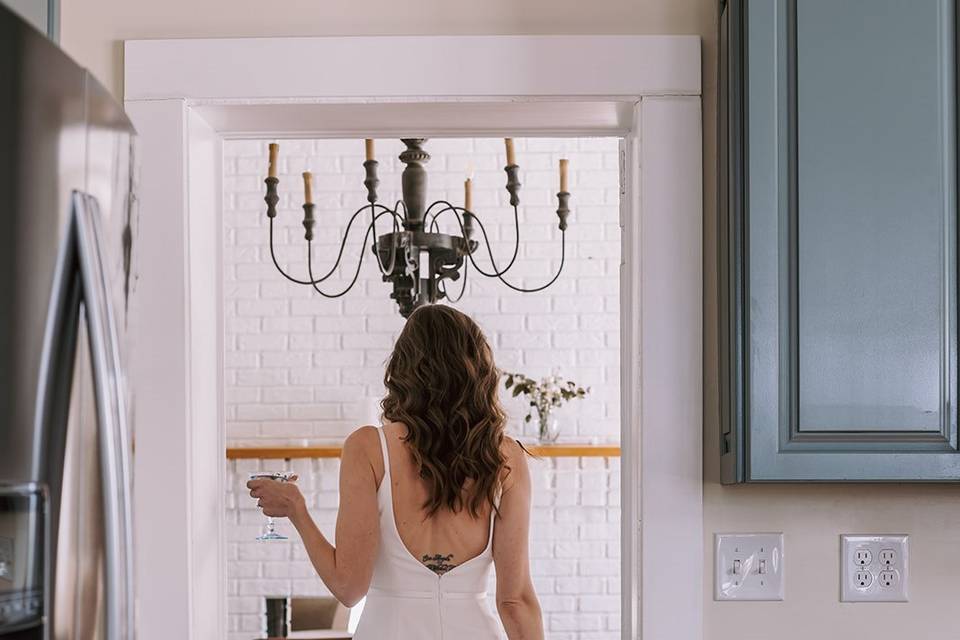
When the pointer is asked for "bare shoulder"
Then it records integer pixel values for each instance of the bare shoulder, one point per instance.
(516, 468)
(362, 445)
(363, 437)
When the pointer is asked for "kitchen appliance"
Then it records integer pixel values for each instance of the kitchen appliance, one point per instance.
(67, 248)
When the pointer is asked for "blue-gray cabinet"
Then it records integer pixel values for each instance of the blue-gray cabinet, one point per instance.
(838, 240)
(43, 15)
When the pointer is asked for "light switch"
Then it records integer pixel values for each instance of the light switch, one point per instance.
(749, 566)
(874, 568)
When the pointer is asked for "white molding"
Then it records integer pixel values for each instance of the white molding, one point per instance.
(441, 117)
(183, 95)
(162, 462)
(671, 367)
(631, 388)
(205, 329)
(396, 66)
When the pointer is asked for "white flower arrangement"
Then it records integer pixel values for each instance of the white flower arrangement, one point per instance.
(545, 395)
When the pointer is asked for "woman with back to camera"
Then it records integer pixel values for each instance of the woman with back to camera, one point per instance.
(429, 500)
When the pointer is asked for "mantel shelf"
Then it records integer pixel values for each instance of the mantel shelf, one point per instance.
(572, 450)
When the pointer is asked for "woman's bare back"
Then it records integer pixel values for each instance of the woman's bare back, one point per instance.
(442, 541)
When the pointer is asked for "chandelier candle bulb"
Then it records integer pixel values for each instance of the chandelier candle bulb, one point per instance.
(563, 174)
(511, 156)
(272, 170)
(307, 187)
(468, 194)
(368, 143)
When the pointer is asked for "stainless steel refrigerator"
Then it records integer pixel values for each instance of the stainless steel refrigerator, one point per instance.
(67, 246)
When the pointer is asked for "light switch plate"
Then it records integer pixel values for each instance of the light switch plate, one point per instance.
(874, 568)
(749, 566)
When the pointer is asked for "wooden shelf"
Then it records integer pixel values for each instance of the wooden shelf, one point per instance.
(333, 451)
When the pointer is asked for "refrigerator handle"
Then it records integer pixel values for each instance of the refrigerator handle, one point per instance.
(112, 418)
(52, 401)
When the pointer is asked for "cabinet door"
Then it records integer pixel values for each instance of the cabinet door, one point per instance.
(843, 242)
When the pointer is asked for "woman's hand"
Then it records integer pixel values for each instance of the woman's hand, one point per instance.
(278, 499)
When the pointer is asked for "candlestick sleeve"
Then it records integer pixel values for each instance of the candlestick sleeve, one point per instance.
(307, 187)
(274, 149)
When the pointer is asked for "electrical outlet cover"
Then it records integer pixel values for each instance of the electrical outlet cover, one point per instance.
(883, 578)
(749, 566)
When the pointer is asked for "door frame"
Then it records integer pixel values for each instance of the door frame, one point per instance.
(186, 96)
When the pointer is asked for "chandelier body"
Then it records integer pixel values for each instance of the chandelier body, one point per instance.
(415, 256)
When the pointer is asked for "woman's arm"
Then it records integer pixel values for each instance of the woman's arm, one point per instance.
(347, 568)
(516, 600)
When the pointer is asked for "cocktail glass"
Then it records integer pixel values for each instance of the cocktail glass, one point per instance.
(278, 476)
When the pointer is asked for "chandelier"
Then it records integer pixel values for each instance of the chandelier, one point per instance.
(414, 256)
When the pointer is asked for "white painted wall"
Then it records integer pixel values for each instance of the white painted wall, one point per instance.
(93, 30)
(301, 369)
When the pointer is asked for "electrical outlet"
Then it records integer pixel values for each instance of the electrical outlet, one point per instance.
(749, 566)
(873, 568)
(888, 578)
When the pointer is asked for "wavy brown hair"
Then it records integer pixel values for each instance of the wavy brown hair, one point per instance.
(442, 384)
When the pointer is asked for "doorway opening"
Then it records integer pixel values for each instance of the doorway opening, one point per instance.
(301, 372)
(645, 89)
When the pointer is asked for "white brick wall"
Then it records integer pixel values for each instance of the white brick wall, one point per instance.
(301, 369)
(574, 545)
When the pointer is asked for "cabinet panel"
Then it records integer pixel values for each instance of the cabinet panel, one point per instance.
(874, 205)
(838, 229)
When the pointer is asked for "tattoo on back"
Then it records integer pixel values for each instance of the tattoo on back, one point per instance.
(439, 564)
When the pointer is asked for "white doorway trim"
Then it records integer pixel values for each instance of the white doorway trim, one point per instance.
(186, 96)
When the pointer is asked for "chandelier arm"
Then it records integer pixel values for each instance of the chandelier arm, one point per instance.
(563, 257)
(496, 273)
(463, 287)
(356, 274)
(430, 208)
(343, 245)
(447, 207)
(499, 276)
(393, 245)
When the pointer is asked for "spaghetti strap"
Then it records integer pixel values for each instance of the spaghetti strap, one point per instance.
(385, 454)
(493, 514)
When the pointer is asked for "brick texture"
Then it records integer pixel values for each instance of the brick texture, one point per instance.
(301, 369)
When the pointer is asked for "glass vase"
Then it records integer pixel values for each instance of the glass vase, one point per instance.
(549, 429)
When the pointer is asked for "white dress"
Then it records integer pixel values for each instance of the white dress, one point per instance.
(408, 601)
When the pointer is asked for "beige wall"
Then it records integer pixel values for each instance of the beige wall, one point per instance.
(811, 516)
(93, 30)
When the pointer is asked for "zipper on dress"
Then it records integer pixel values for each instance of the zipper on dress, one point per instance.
(440, 608)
